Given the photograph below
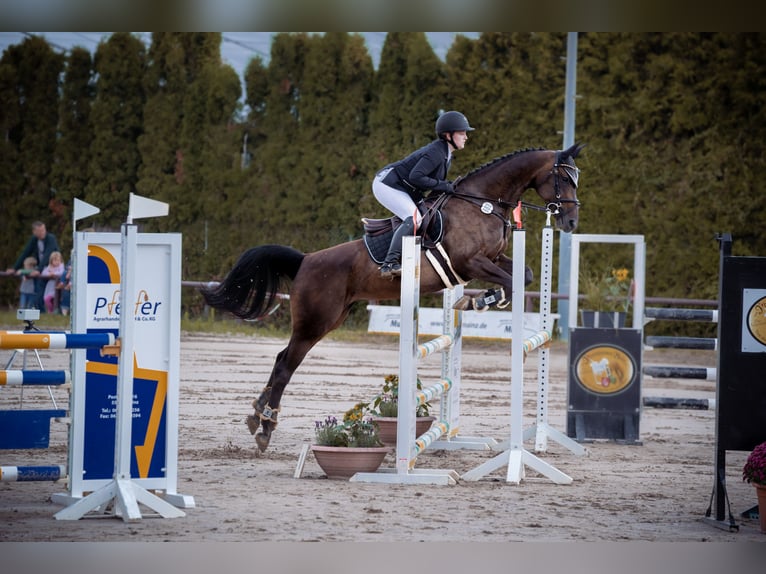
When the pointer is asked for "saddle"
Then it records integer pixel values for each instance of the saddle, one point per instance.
(379, 232)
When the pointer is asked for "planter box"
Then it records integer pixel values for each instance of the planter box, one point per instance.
(603, 319)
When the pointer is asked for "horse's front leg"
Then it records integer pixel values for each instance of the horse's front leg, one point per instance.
(506, 264)
(498, 271)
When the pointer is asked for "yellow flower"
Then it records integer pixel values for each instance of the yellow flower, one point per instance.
(620, 274)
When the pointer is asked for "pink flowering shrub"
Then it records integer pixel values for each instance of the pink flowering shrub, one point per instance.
(755, 467)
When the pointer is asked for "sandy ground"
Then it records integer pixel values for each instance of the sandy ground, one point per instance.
(656, 491)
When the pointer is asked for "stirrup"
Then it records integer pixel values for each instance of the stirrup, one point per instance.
(391, 269)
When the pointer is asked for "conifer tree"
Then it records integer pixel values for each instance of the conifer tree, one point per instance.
(29, 82)
(69, 173)
(117, 117)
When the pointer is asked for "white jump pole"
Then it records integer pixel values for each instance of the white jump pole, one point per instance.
(517, 457)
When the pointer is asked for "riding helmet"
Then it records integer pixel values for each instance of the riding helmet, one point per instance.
(452, 122)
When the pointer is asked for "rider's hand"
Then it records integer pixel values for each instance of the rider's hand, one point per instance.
(446, 187)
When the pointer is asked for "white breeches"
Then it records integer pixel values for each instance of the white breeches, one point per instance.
(396, 201)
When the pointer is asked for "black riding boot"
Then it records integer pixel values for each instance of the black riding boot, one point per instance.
(392, 266)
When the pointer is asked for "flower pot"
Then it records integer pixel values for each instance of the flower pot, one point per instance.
(387, 428)
(602, 319)
(342, 462)
(760, 491)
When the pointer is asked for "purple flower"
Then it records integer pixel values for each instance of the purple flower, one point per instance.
(755, 467)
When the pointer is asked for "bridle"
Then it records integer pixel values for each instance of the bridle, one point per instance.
(573, 173)
(552, 207)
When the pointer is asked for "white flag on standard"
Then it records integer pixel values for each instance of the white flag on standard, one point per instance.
(83, 209)
(141, 207)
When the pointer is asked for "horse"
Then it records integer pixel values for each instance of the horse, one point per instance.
(324, 284)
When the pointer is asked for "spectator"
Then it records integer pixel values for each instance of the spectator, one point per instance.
(54, 271)
(28, 293)
(64, 288)
(40, 246)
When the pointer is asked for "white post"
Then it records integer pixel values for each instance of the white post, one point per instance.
(408, 353)
(515, 466)
(541, 430)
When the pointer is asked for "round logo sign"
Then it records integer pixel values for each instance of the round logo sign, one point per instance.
(605, 370)
(486, 208)
(756, 320)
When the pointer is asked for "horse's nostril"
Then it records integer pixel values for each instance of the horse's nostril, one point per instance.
(572, 224)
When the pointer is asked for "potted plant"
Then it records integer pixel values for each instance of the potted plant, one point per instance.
(384, 408)
(344, 448)
(606, 297)
(754, 472)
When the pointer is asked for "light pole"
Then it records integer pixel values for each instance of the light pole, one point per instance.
(565, 239)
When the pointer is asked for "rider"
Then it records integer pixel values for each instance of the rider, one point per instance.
(400, 185)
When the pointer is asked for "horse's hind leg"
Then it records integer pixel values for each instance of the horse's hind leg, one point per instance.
(288, 360)
(266, 406)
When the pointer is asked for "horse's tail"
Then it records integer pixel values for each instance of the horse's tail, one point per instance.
(251, 286)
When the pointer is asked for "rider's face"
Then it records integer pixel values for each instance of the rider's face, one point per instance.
(459, 138)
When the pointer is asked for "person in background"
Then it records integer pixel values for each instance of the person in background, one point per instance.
(40, 246)
(400, 186)
(28, 299)
(64, 288)
(54, 270)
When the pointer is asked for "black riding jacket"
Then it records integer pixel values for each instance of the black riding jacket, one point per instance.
(422, 170)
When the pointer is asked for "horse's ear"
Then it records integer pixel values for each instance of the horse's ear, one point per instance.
(574, 150)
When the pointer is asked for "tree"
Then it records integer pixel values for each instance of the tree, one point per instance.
(70, 169)
(29, 82)
(117, 117)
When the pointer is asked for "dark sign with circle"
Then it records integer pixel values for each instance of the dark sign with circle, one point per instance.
(604, 392)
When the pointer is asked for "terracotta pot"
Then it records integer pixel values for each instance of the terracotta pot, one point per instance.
(344, 462)
(387, 428)
(760, 491)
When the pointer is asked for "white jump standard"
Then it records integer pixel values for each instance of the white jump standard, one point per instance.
(516, 457)
(408, 445)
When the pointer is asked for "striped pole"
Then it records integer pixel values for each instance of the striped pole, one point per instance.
(20, 340)
(45, 378)
(438, 344)
(434, 433)
(31, 473)
(678, 372)
(679, 314)
(430, 393)
(537, 340)
(670, 342)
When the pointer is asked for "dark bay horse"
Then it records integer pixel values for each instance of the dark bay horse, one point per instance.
(325, 283)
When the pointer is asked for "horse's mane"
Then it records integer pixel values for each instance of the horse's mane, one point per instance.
(499, 159)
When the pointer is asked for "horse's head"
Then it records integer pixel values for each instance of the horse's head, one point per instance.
(556, 184)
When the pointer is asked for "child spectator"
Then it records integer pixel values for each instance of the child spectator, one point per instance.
(64, 288)
(52, 271)
(28, 292)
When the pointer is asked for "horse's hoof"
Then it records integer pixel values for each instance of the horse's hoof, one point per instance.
(262, 441)
(253, 423)
(463, 304)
